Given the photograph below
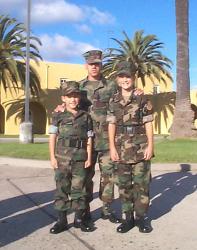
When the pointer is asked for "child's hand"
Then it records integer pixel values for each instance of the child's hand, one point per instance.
(54, 163)
(138, 92)
(88, 163)
(148, 153)
(114, 154)
(60, 108)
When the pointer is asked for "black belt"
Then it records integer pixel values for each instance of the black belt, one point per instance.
(130, 129)
(74, 143)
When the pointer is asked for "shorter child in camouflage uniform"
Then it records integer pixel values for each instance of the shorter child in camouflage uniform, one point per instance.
(70, 145)
(131, 147)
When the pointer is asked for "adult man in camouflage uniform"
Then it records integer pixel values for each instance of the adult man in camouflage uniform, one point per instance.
(96, 93)
(70, 154)
(131, 147)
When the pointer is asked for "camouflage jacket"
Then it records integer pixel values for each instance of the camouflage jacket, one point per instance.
(72, 134)
(130, 117)
(95, 99)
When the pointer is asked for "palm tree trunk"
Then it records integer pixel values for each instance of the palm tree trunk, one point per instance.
(183, 121)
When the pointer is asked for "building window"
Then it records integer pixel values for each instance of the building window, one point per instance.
(156, 89)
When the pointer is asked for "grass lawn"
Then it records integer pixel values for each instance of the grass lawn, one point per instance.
(17, 136)
(166, 151)
(176, 151)
(29, 151)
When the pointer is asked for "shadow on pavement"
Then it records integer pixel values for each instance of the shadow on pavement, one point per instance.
(19, 203)
(19, 216)
(16, 222)
(169, 189)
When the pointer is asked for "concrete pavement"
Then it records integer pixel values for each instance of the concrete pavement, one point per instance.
(26, 211)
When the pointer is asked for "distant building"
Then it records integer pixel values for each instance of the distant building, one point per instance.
(51, 75)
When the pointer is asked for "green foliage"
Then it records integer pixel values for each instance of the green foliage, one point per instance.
(144, 54)
(13, 55)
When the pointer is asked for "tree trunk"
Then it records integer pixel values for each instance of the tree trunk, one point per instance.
(183, 121)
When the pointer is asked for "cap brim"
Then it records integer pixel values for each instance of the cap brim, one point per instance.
(94, 61)
(72, 91)
(124, 72)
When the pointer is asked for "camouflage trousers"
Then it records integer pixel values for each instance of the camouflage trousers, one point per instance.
(70, 191)
(106, 190)
(133, 183)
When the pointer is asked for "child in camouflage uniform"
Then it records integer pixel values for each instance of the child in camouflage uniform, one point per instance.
(131, 147)
(70, 145)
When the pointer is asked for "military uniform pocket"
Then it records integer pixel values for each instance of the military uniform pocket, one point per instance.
(80, 155)
(139, 139)
(58, 175)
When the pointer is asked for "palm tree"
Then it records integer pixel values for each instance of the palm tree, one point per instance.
(183, 121)
(13, 54)
(145, 55)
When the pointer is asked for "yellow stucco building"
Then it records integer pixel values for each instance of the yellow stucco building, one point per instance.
(51, 75)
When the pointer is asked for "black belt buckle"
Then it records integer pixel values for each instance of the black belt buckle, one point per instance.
(79, 144)
(75, 143)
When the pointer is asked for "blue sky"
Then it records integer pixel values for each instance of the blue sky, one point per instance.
(69, 28)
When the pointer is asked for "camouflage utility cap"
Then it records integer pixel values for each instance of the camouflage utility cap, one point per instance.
(125, 68)
(70, 87)
(93, 56)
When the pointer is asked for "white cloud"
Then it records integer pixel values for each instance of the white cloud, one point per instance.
(56, 11)
(83, 28)
(50, 11)
(62, 48)
(98, 17)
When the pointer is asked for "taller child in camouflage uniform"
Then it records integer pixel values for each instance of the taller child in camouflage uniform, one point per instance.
(131, 147)
(70, 145)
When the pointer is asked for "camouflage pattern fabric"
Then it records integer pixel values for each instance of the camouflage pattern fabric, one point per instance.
(133, 172)
(93, 56)
(133, 182)
(70, 175)
(95, 99)
(70, 191)
(106, 190)
(141, 176)
(130, 116)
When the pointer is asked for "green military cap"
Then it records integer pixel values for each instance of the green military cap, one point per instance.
(69, 87)
(125, 68)
(93, 56)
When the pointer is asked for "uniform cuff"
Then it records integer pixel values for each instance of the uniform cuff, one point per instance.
(90, 133)
(111, 119)
(148, 118)
(53, 129)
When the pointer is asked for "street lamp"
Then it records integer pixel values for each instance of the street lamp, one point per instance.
(26, 135)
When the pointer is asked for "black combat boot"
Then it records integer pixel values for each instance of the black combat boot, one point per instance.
(107, 214)
(143, 225)
(79, 222)
(127, 224)
(87, 215)
(61, 225)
